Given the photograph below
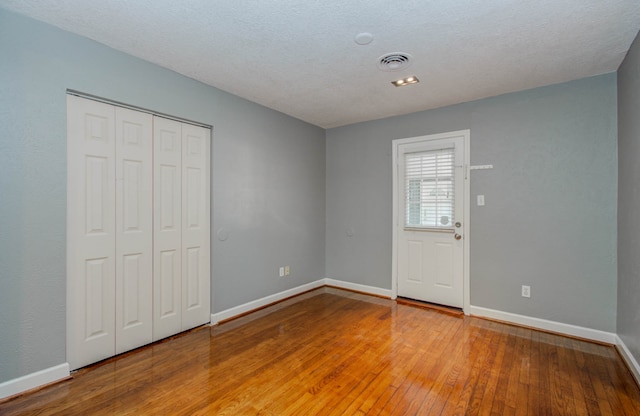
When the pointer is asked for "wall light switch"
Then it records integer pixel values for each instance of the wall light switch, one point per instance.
(281, 271)
(480, 200)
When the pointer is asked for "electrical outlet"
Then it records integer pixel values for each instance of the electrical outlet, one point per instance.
(526, 291)
(287, 270)
(281, 271)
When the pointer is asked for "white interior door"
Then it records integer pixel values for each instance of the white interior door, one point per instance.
(430, 216)
(182, 232)
(138, 241)
(91, 231)
(196, 308)
(134, 229)
(167, 286)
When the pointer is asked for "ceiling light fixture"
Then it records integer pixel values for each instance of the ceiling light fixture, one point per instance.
(405, 81)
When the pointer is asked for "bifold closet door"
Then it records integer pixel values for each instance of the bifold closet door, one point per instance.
(137, 229)
(196, 281)
(110, 231)
(91, 241)
(134, 229)
(181, 227)
(167, 249)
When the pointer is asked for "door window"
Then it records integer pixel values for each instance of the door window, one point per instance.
(429, 188)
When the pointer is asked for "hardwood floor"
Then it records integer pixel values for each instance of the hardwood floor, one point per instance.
(331, 352)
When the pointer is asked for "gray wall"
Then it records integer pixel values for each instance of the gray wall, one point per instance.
(629, 200)
(550, 218)
(550, 214)
(268, 182)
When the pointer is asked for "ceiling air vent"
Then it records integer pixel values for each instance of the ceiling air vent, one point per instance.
(394, 61)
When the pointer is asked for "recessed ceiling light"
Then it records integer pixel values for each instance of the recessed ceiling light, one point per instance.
(405, 81)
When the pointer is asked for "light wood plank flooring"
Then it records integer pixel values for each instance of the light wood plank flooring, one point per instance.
(332, 352)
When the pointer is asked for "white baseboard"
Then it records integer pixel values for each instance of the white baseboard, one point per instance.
(628, 358)
(33, 380)
(561, 328)
(371, 290)
(259, 303)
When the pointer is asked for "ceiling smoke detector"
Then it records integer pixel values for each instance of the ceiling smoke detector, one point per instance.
(396, 61)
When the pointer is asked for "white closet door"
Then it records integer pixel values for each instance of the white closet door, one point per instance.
(167, 286)
(138, 190)
(195, 226)
(91, 231)
(134, 229)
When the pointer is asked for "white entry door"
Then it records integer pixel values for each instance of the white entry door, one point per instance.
(430, 220)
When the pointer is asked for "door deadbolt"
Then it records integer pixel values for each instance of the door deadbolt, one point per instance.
(458, 224)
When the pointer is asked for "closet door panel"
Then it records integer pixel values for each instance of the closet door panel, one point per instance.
(195, 226)
(90, 231)
(138, 246)
(167, 286)
(134, 229)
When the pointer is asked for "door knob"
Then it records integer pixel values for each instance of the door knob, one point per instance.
(457, 236)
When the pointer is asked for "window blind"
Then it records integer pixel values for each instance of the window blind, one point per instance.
(429, 188)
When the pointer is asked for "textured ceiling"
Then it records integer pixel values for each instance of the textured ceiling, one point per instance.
(300, 57)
